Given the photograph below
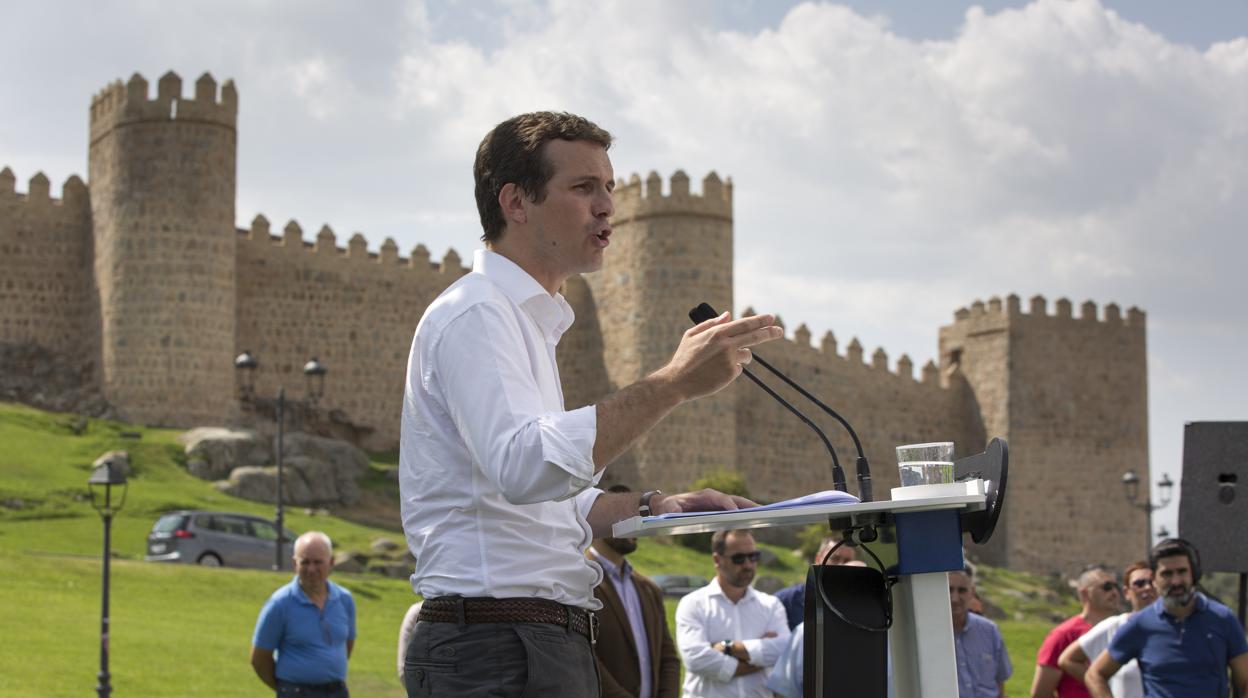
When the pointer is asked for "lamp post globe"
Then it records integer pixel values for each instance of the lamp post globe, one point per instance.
(105, 477)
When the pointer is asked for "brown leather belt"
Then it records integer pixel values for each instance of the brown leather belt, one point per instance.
(458, 609)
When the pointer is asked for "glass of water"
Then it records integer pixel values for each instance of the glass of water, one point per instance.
(926, 464)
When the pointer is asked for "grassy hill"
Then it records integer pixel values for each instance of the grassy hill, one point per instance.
(184, 630)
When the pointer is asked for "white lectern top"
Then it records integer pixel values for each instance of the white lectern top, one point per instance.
(969, 495)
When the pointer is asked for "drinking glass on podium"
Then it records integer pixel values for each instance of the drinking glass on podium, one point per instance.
(925, 464)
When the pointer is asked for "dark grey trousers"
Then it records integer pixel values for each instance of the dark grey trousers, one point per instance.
(499, 659)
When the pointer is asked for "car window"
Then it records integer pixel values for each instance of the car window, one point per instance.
(208, 522)
(168, 523)
(234, 525)
(263, 530)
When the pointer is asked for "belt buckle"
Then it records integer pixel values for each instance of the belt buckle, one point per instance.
(593, 628)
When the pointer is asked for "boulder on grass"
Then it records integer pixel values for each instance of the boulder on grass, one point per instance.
(212, 452)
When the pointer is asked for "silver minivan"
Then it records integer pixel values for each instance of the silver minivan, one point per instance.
(216, 539)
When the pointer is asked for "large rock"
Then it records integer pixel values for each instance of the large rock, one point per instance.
(213, 452)
(306, 482)
(322, 483)
(340, 455)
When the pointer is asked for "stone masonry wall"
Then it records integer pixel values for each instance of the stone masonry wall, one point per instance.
(46, 293)
(162, 173)
(783, 458)
(667, 254)
(354, 311)
(1076, 391)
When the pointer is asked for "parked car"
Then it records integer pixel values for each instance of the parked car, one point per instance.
(679, 584)
(216, 539)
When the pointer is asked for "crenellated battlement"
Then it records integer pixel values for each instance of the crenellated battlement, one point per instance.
(800, 346)
(635, 199)
(996, 312)
(74, 202)
(325, 246)
(122, 103)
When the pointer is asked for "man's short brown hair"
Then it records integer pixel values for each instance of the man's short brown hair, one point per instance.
(719, 541)
(513, 153)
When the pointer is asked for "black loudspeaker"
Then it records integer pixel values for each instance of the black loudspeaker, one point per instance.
(845, 649)
(1213, 508)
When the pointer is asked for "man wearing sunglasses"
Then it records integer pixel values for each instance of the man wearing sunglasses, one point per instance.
(1078, 656)
(1099, 594)
(730, 634)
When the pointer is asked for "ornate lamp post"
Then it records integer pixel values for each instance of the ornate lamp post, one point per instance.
(105, 477)
(314, 371)
(1131, 487)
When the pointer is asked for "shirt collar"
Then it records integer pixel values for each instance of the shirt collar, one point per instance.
(552, 314)
(716, 589)
(330, 594)
(618, 571)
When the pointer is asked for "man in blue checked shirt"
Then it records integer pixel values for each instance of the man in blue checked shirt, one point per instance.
(310, 624)
(983, 665)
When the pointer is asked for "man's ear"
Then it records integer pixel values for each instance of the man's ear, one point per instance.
(512, 200)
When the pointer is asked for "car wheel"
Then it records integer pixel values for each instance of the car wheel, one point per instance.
(209, 560)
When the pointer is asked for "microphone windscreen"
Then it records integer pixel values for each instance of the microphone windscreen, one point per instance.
(702, 313)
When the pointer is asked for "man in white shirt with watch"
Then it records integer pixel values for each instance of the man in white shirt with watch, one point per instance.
(728, 633)
(496, 477)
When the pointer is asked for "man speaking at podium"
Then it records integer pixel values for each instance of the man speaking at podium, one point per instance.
(496, 476)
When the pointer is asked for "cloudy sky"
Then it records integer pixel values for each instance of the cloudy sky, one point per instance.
(893, 161)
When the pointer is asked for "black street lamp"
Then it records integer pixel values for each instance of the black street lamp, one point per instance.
(1131, 487)
(106, 476)
(314, 371)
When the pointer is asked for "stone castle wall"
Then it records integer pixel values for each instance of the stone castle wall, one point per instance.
(353, 310)
(46, 290)
(146, 277)
(162, 177)
(1070, 396)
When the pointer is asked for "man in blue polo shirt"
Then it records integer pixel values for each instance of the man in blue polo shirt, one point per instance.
(310, 623)
(1183, 642)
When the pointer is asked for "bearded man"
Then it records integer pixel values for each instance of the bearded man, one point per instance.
(1184, 642)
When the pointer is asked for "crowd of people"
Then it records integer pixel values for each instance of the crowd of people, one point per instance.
(734, 640)
(525, 592)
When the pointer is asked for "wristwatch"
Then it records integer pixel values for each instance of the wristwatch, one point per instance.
(643, 508)
(726, 647)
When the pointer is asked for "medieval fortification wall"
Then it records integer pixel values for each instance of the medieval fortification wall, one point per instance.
(145, 281)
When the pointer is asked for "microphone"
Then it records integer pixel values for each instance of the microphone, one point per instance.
(699, 315)
(705, 312)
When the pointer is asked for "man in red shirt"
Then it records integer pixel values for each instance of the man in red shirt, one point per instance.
(1101, 598)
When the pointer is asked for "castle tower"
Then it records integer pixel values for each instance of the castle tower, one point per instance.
(1070, 395)
(668, 253)
(162, 180)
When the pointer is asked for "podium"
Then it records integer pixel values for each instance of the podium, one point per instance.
(927, 522)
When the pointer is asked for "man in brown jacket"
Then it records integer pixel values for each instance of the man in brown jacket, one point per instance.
(636, 655)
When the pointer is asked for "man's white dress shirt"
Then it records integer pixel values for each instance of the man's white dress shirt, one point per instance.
(1127, 683)
(495, 476)
(707, 616)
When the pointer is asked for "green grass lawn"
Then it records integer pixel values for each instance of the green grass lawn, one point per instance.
(182, 630)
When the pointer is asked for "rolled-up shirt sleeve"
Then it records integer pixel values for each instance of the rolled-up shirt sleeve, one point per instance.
(529, 451)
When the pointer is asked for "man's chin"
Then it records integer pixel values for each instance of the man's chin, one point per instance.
(1178, 600)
